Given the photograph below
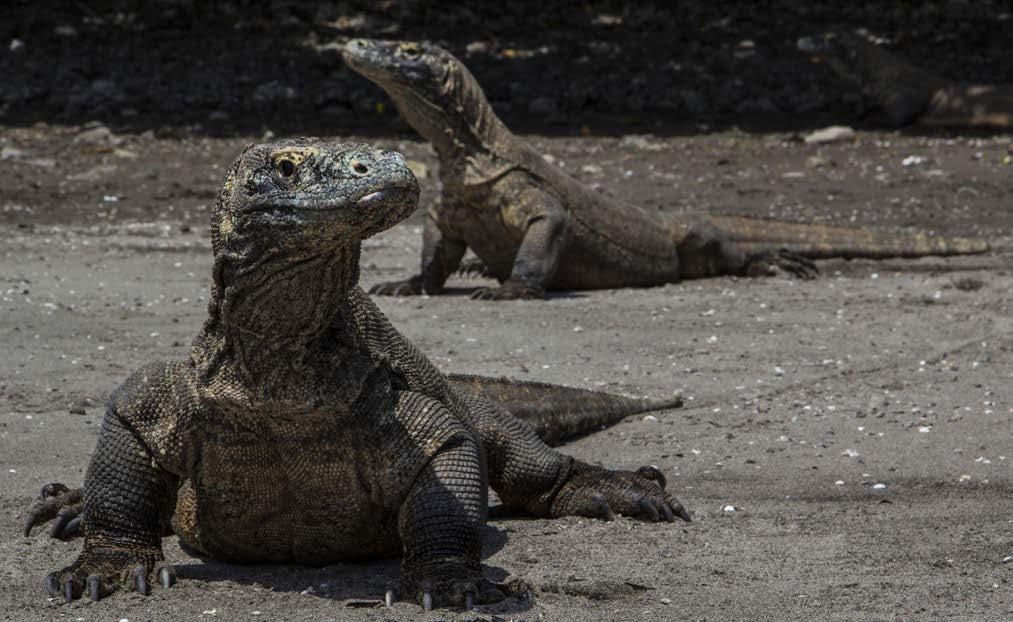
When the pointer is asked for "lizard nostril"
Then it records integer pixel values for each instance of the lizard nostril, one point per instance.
(359, 168)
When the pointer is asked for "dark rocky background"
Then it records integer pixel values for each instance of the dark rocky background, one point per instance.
(233, 67)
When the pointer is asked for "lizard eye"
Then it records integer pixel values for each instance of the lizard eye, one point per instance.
(411, 51)
(286, 168)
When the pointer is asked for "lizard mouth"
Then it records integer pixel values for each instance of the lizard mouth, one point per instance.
(316, 203)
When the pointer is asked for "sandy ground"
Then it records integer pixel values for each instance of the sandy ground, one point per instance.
(859, 424)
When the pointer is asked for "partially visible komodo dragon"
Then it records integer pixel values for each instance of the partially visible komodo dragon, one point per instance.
(535, 228)
(907, 94)
(305, 429)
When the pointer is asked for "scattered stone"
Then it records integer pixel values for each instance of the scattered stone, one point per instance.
(16, 45)
(98, 136)
(650, 418)
(793, 175)
(639, 141)
(8, 153)
(832, 134)
(879, 487)
(839, 482)
(968, 284)
(778, 371)
(914, 160)
(477, 47)
(729, 508)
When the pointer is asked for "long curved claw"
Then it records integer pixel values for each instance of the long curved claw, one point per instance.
(647, 508)
(667, 513)
(682, 513)
(139, 580)
(59, 525)
(801, 267)
(409, 287)
(72, 528)
(602, 507)
(52, 584)
(68, 589)
(167, 576)
(469, 601)
(389, 597)
(427, 601)
(94, 587)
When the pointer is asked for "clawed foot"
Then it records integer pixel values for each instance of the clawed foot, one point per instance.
(470, 268)
(60, 502)
(783, 262)
(100, 574)
(510, 290)
(600, 493)
(408, 287)
(450, 584)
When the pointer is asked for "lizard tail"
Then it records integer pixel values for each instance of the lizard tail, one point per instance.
(557, 412)
(824, 241)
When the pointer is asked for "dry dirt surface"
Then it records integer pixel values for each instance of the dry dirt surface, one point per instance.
(846, 442)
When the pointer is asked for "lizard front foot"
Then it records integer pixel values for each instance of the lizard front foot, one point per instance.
(473, 267)
(450, 584)
(600, 493)
(62, 503)
(101, 572)
(408, 287)
(510, 290)
(782, 262)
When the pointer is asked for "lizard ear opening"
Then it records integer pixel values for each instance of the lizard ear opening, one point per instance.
(286, 167)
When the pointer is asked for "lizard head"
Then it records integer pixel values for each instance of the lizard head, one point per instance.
(433, 90)
(841, 51)
(311, 194)
(420, 67)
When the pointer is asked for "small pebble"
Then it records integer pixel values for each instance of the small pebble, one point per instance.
(839, 482)
(650, 418)
(879, 487)
(729, 508)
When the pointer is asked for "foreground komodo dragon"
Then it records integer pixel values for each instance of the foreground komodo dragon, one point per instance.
(535, 228)
(304, 428)
(907, 94)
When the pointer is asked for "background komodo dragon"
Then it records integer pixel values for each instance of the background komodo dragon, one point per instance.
(304, 428)
(535, 228)
(908, 94)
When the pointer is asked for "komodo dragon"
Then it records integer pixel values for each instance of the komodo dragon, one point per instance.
(535, 228)
(907, 94)
(304, 428)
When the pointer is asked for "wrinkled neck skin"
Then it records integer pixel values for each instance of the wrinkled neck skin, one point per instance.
(462, 126)
(279, 328)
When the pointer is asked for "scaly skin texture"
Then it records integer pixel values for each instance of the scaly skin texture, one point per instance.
(535, 228)
(304, 428)
(906, 94)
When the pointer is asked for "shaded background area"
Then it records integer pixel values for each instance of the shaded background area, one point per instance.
(226, 68)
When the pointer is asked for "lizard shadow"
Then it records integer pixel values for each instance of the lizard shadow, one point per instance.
(357, 584)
